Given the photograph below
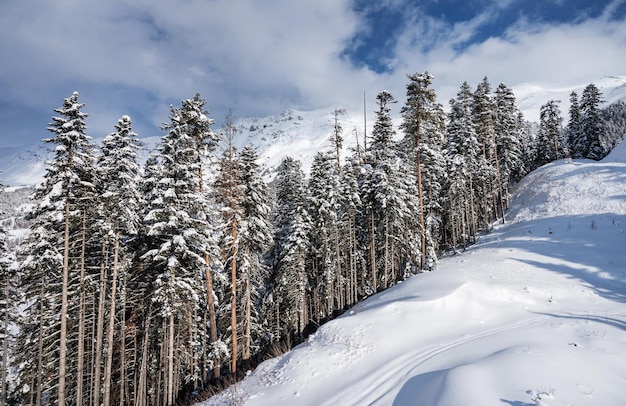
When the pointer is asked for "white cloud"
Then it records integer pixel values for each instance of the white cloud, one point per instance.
(528, 52)
(262, 57)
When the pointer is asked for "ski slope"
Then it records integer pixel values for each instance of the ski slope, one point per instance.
(533, 314)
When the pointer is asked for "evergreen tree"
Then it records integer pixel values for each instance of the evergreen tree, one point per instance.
(121, 200)
(325, 268)
(509, 148)
(574, 131)
(423, 125)
(388, 192)
(593, 138)
(255, 238)
(465, 159)
(292, 226)
(181, 240)
(489, 186)
(550, 140)
(7, 309)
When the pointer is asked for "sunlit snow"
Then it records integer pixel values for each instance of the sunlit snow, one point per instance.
(533, 314)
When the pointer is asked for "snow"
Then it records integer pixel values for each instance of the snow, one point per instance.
(530, 97)
(533, 314)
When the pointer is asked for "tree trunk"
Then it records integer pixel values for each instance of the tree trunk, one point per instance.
(111, 328)
(371, 226)
(5, 344)
(64, 289)
(170, 362)
(81, 316)
(100, 327)
(248, 316)
(233, 297)
(40, 346)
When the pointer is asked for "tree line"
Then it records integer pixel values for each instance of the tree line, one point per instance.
(143, 284)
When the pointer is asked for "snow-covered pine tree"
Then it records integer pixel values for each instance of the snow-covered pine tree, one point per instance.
(490, 185)
(255, 238)
(614, 117)
(120, 200)
(464, 159)
(507, 132)
(423, 125)
(349, 220)
(591, 143)
(181, 239)
(8, 309)
(388, 193)
(325, 268)
(550, 140)
(292, 226)
(573, 129)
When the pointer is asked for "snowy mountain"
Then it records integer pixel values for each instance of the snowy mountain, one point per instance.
(533, 314)
(301, 134)
(530, 97)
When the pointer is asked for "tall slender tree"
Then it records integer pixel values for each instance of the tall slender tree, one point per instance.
(422, 118)
(255, 239)
(292, 224)
(229, 196)
(120, 175)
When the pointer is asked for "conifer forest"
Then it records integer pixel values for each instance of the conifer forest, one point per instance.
(157, 281)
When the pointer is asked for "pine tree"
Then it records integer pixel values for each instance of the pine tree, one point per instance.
(465, 160)
(550, 140)
(388, 193)
(180, 241)
(7, 308)
(292, 225)
(574, 131)
(423, 125)
(120, 175)
(323, 205)
(592, 126)
(509, 149)
(255, 238)
(490, 186)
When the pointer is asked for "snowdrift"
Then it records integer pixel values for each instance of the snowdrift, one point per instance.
(534, 313)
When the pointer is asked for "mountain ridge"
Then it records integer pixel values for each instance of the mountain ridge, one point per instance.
(301, 134)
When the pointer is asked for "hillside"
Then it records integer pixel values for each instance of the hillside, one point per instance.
(533, 314)
(301, 134)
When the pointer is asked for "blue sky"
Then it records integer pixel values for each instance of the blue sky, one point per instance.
(259, 58)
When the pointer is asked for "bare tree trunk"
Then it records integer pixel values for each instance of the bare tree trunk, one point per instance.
(233, 295)
(100, 327)
(123, 383)
(40, 346)
(372, 252)
(64, 289)
(81, 317)
(142, 387)
(170, 362)
(248, 316)
(111, 328)
(420, 196)
(5, 344)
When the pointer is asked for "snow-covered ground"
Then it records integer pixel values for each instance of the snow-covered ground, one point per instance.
(533, 314)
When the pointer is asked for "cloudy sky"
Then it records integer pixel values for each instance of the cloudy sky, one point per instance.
(262, 57)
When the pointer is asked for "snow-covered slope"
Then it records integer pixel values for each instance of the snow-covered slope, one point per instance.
(534, 313)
